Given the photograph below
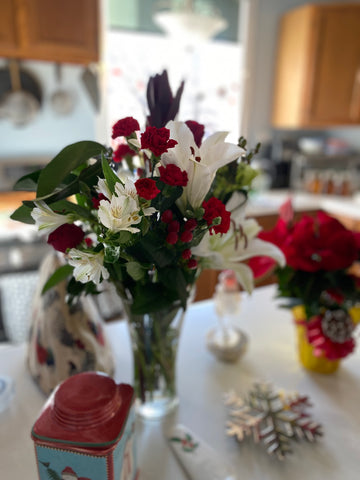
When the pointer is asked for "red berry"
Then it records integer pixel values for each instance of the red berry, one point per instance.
(192, 264)
(172, 238)
(186, 254)
(186, 236)
(190, 224)
(167, 216)
(174, 226)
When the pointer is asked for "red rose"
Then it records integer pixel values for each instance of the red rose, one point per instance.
(215, 208)
(157, 140)
(121, 152)
(66, 236)
(146, 188)
(173, 175)
(125, 127)
(197, 130)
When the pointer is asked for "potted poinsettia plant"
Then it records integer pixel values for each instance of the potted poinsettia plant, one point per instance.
(149, 230)
(319, 285)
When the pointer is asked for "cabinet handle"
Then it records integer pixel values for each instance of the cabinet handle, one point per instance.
(355, 97)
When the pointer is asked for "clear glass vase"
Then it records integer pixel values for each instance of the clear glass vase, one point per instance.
(154, 337)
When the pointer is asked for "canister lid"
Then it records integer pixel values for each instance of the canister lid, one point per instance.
(87, 409)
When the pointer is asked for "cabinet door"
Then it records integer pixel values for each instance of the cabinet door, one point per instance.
(9, 42)
(62, 31)
(335, 77)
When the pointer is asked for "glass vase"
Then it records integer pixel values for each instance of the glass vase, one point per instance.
(154, 339)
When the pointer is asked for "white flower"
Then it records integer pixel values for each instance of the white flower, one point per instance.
(201, 163)
(88, 267)
(120, 214)
(102, 187)
(46, 219)
(227, 251)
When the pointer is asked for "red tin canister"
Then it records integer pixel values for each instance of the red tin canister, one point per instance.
(86, 431)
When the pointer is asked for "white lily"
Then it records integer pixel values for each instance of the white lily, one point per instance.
(201, 163)
(46, 219)
(229, 250)
(88, 267)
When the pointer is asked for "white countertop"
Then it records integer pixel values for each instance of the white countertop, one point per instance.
(202, 381)
(268, 203)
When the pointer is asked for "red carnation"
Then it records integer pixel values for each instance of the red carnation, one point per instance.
(215, 208)
(66, 236)
(197, 130)
(125, 127)
(96, 200)
(121, 152)
(146, 188)
(173, 175)
(157, 140)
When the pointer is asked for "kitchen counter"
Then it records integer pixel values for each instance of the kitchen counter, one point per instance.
(268, 203)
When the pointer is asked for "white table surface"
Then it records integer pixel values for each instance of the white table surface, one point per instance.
(202, 381)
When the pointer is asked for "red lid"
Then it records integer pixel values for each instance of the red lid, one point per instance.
(87, 409)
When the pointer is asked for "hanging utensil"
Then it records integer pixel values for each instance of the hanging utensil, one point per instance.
(62, 100)
(90, 80)
(20, 106)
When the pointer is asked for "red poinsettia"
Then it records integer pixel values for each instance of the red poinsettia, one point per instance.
(66, 236)
(157, 140)
(125, 127)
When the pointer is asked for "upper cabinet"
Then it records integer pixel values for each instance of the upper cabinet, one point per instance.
(65, 31)
(317, 82)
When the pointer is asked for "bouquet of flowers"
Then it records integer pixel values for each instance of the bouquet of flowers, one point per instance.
(318, 279)
(151, 227)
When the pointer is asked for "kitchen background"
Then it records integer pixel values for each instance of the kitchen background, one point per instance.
(95, 72)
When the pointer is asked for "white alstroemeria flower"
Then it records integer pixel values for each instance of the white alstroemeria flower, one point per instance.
(102, 187)
(201, 163)
(46, 219)
(88, 267)
(227, 251)
(120, 214)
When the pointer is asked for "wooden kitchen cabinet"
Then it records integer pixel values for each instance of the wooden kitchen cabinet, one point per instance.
(65, 31)
(317, 80)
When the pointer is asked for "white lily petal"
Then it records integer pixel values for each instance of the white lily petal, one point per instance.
(46, 219)
(135, 142)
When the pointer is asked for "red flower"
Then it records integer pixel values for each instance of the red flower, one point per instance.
(174, 226)
(215, 208)
(66, 236)
(186, 254)
(96, 200)
(197, 130)
(121, 152)
(146, 188)
(41, 353)
(157, 140)
(192, 264)
(190, 224)
(173, 175)
(125, 127)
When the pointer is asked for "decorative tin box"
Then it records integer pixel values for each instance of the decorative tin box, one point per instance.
(86, 431)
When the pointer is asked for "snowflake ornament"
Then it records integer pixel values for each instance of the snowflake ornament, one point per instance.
(271, 418)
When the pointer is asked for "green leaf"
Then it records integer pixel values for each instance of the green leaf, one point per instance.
(58, 276)
(135, 270)
(65, 162)
(28, 183)
(110, 176)
(23, 214)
